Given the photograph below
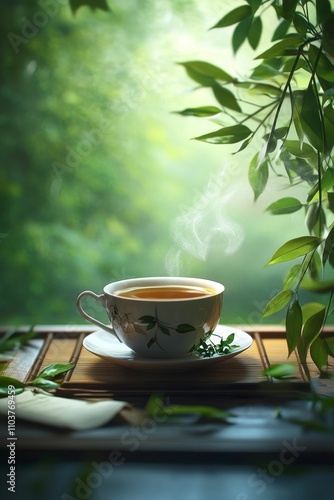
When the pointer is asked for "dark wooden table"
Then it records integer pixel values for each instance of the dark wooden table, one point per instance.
(254, 455)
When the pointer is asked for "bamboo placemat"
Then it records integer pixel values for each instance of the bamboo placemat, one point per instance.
(57, 344)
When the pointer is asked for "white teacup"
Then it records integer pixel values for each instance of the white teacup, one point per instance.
(161, 316)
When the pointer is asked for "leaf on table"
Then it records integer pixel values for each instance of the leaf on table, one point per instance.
(44, 383)
(5, 382)
(55, 369)
(282, 370)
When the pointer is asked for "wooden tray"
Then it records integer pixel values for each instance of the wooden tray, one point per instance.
(61, 344)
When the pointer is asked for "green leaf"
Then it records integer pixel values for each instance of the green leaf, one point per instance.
(310, 309)
(255, 32)
(318, 352)
(234, 16)
(4, 391)
(295, 248)
(282, 370)
(296, 115)
(330, 197)
(318, 286)
(6, 381)
(273, 137)
(289, 7)
(327, 182)
(291, 277)
(258, 176)
(44, 383)
(313, 325)
(301, 150)
(264, 71)
(323, 9)
(293, 324)
(55, 369)
(240, 33)
(226, 98)
(310, 118)
(279, 48)
(328, 253)
(202, 111)
(324, 67)
(226, 135)
(185, 328)
(327, 33)
(311, 330)
(329, 343)
(93, 4)
(230, 338)
(329, 129)
(301, 24)
(277, 303)
(206, 73)
(265, 89)
(281, 30)
(244, 145)
(286, 205)
(315, 219)
(315, 268)
(255, 4)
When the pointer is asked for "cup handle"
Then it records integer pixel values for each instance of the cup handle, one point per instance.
(98, 298)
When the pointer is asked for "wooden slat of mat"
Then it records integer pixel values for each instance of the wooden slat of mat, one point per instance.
(277, 351)
(24, 360)
(59, 351)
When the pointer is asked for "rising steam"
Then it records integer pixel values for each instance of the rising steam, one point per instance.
(194, 230)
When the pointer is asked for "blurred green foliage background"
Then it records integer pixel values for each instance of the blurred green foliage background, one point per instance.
(99, 177)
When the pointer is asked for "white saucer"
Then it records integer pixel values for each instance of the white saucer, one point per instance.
(104, 345)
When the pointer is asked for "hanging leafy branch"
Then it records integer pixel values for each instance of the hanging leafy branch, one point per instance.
(93, 4)
(286, 106)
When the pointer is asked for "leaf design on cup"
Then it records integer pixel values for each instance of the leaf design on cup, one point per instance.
(185, 328)
(149, 321)
(153, 321)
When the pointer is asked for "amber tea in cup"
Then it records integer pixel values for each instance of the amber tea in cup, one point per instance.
(170, 292)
